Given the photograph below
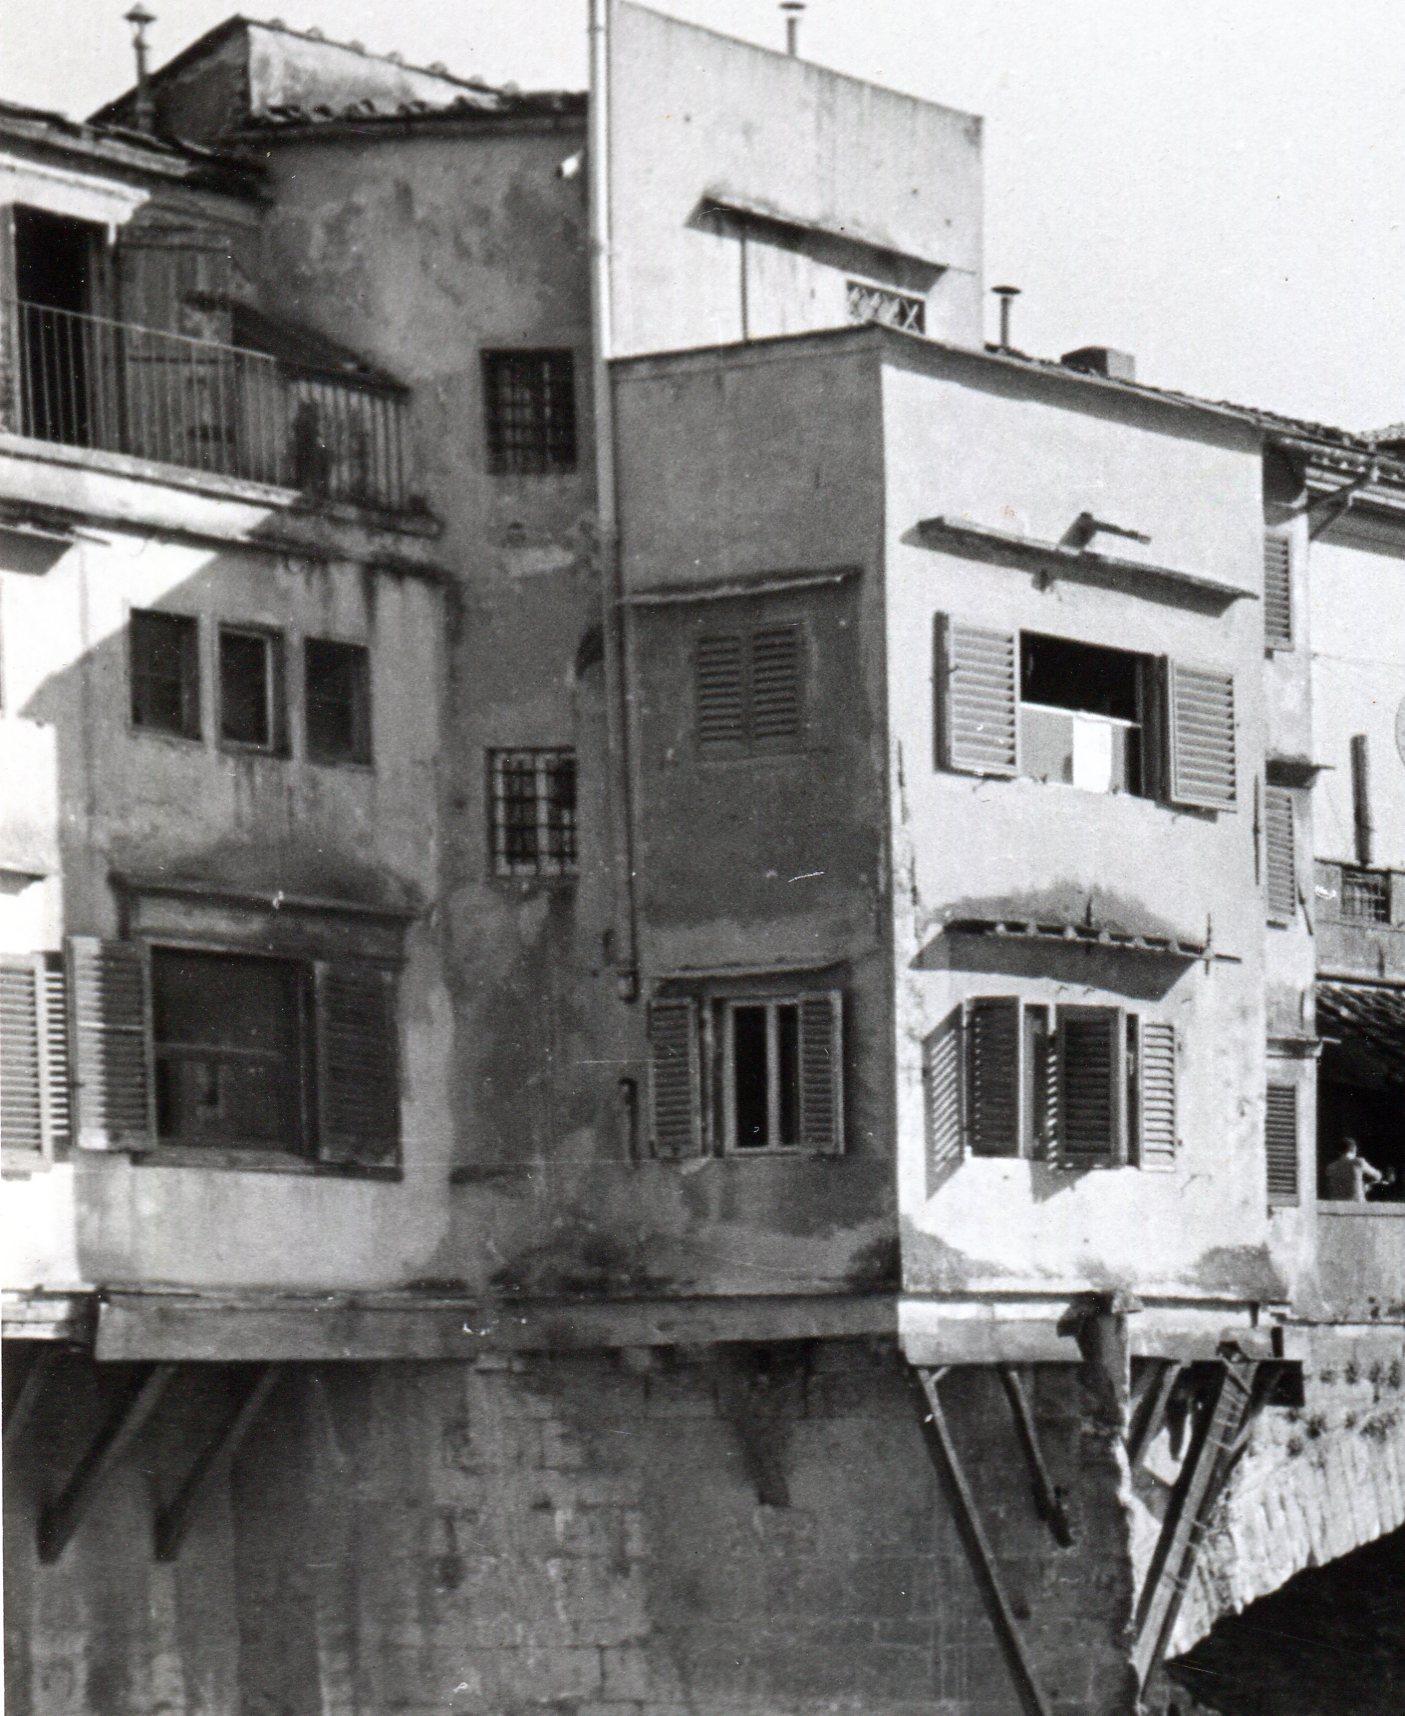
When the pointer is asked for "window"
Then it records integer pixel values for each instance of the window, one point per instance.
(1081, 714)
(533, 806)
(1278, 591)
(1076, 1086)
(1280, 854)
(1365, 895)
(1281, 1143)
(165, 669)
(868, 303)
(748, 690)
(337, 694)
(530, 402)
(747, 1075)
(251, 688)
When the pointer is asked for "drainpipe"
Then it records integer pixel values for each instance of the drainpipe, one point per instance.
(612, 612)
(1361, 799)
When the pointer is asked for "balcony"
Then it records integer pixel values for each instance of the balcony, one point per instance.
(227, 410)
(1361, 922)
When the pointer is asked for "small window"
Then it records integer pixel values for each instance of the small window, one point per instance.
(533, 797)
(869, 303)
(1365, 895)
(748, 689)
(165, 669)
(530, 405)
(337, 693)
(251, 688)
(1082, 714)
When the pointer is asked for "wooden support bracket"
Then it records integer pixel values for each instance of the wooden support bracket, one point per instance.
(61, 1517)
(1149, 1414)
(936, 1433)
(1046, 1496)
(21, 1407)
(175, 1518)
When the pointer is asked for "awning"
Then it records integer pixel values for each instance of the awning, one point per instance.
(1368, 1018)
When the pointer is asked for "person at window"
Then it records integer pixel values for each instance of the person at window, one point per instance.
(1351, 1177)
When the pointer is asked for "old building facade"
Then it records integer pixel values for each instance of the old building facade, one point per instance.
(683, 954)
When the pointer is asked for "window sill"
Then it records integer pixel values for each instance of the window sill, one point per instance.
(257, 1162)
(186, 741)
(354, 764)
(235, 748)
(1372, 1211)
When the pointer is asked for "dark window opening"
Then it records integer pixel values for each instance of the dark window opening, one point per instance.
(764, 1075)
(251, 688)
(530, 407)
(1365, 896)
(165, 670)
(533, 805)
(1082, 714)
(230, 1036)
(56, 262)
(1356, 1100)
(337, 697)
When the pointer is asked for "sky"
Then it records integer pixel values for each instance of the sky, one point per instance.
(1217, 186)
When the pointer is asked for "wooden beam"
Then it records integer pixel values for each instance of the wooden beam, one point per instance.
(61, 1517)
(1046, 1495)
(176, 1518)
(941, 1447)
(1150, 1413)
(20, 1409)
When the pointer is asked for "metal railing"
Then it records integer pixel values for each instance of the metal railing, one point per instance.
(89, 381)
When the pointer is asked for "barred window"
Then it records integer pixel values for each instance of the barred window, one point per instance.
(530, 404)
(533, 812)
(881, 304)
(1365, 896)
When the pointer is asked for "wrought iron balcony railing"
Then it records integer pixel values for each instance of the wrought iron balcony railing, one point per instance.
(89, 381)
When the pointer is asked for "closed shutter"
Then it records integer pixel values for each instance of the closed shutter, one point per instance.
(941, 1095)
(822, 1073)
(1280, 853)
(1201, 702)
(993, 1076)
(1091, 1086)
(720, 692)
(1278, 592)
(110, 1043)
(358, 1079)
(1156, 1091)
(776, 712)
(21, 1072)
(675, 1085)
(1281, 1143)
(978, 699)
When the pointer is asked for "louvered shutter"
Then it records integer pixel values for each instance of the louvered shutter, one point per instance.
(1281, 1143)
(1202, 736)
(110, 1043)
(358, 1079)
(776, 695)
(1156, 1091)
(1280, 853)
(941, 1095)
(1278, 591)
(978, 699)
(993, 1076)
(1091, 1086)
(21, 1070)
(675, 1085)
(822, 1073)
(719, 685)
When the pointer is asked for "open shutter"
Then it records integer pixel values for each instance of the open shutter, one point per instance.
(1092, 1085)
(977, 699)
(993, 1076)
(822, 1073)
(358, 1082)
(1201, 707)
(110, 1043)
(941, 1094)
(21, 1071)
(1156, 1094)
(1280, 853)
(776, 696)
(675, 1083)
(1281, 1143)
(1278, 591)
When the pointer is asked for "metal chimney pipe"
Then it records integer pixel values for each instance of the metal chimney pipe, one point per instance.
(1361, 799)
(792, 10)
(1007, 296)
(139, 18)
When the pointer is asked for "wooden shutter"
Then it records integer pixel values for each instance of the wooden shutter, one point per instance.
(719, 686)
(822, 1073)
(941, 1094)
(1156, 1094)
(992, 1109)
(1281, 1143)
(1280, 853)
(1278, 591)
(675, 1083)
(1201, 748)
(978, 699)
(1092, 1086)
(358, 1079)
(110, 1043)
(776, 694)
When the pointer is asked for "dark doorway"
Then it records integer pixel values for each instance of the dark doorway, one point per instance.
(56, 264)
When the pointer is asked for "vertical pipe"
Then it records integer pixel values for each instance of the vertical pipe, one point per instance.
(607, 502)
(1361, 798)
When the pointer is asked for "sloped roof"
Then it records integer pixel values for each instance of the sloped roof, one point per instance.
(1369, 1015)
(481, 104)
(134, 151)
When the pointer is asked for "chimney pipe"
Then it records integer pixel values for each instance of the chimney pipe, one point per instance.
(1007, 296)
(139, 18)
(1361, 800)
(792, 10)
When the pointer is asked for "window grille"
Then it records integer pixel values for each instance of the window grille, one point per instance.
(881, 304)
(530, 402)
(533, 812)
(1365, 896)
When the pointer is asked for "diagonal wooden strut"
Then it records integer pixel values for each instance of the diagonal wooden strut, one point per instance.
(1150, 1412)
(936, 1433)
(61, 1517)
(175, 1519)
(1046, 1496)
(20, 1409)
